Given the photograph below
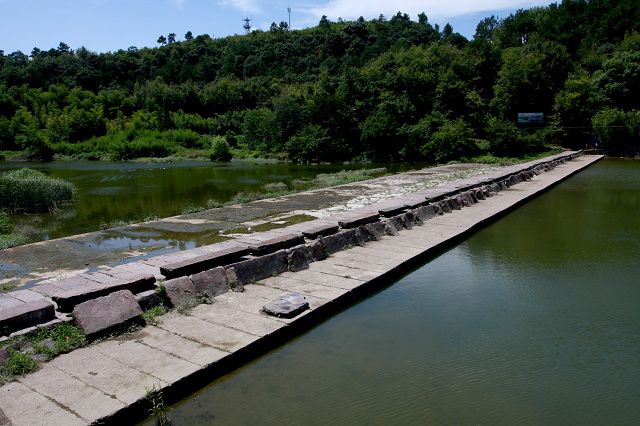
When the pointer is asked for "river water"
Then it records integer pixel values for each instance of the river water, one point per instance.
(110, 193)
(535, 319)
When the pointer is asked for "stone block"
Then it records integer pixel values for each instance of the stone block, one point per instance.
(180, 290)
(392, 210)
(287, 306)
(358, 219)
(318, 250)
(444, 206)
(100, 315)
(67, 299)
(426, 212)
(275, 244)
(211, 282)
(25, 315)
(397, 222)
(149, 299)
(299, 258)
(202, 263)
(375, 230)
(408, 220)
(253, 270)
(361, 235)
(320, 231)
(390, 229)
(340, 241)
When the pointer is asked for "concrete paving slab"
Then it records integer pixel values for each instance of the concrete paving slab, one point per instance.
(178, 346)
(329, 280)
(153, 362)
(220, 337)
(303, 287)
(24, 407)
(86, 401)
(115, 379)
(329, 267)
(220, 314)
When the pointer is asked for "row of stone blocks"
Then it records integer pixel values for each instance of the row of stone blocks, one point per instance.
(207, 276)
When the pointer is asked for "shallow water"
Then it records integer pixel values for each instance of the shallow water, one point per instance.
(532, 320)
(112, 193)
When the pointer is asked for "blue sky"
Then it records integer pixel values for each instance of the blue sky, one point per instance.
(107, 25)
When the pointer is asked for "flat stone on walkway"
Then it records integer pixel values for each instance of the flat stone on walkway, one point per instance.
(289, 305)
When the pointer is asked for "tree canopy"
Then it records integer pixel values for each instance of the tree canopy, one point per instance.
(384, 89)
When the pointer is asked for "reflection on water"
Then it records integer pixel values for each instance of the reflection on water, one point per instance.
(533, 320)
(112, 193)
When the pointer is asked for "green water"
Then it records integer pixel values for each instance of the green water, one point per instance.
(111, 193)
(533, 320)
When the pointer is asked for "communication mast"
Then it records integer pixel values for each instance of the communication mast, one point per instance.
(247, 26)
(289, 11)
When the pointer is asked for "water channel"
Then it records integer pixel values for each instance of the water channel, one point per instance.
(532, 320)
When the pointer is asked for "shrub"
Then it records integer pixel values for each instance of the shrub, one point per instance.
(32, 191)
(220, 149)
(452, 141)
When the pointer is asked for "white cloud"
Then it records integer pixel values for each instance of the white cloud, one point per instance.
(246, 6)
(178, 3)
(349, 9)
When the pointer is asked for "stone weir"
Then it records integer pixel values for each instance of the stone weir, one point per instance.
(244, 296)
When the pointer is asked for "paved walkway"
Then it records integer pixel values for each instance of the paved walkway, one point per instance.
(103, 380)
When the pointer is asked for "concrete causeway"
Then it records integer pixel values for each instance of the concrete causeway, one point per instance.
(108, 382)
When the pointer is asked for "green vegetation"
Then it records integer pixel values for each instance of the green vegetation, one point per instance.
(151, 315)
(385, 89)
(158, 409)
(30, 191)
(19, 364)
(24, 354)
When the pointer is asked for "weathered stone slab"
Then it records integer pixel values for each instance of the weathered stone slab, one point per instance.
(23, 407)
(148, 299)
(288, 306)
(180, 290)
(275, 244)
(318, 250)
(427, 212)
(102, 314)
(361, 235)
(221, 314)
(68, 299)
(341, 241)
(320, 231)
(397, 222)
(358, 219)
(299, 258)
(252, 270)
(204, 262)
(392, 210)
(375, 230)
(212, 282)
(25, 315)
(173, 344)
(70, 392)
(26, 296)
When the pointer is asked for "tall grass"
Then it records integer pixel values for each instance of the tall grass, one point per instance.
(30, 191)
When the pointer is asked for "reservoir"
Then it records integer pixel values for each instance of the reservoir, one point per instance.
(532, 320)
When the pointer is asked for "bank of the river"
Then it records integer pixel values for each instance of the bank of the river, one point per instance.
(533, 320)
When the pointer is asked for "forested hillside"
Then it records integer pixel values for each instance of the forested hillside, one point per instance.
(385, 89)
